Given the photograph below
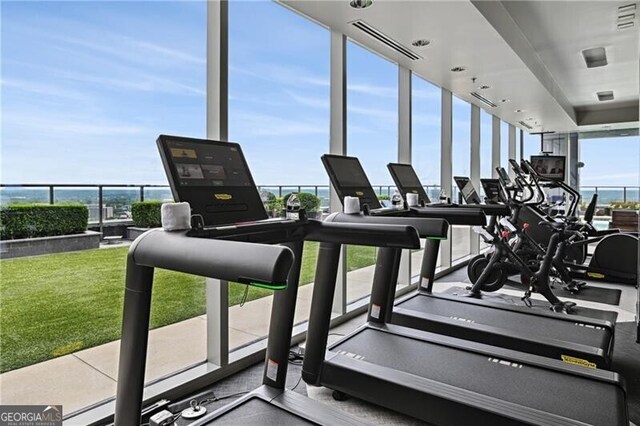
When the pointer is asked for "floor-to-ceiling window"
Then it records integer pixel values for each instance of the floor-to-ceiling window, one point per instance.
(531, 145)
(86, 89)
(425, 149)
(372, 136)
(460, 235)
(279, 113)
(610, 170)
(504, 145)
(486, 147)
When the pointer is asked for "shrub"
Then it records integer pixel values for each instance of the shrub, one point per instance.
(42, 220)
(634, 205)
(270, 201)
(383, 197)
(309, 202)
(146, 214)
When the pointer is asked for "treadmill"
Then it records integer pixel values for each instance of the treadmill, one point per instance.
(231, 241)
(445, 380)
(407, 181)
(573, 339)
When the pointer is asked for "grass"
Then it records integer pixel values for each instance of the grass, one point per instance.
(57, 304)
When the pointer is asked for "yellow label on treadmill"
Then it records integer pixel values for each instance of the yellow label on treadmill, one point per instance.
(595, 275)
(223, 197)
(359, 193)
(578, 361)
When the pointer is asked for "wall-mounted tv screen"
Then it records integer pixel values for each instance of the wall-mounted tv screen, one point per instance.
(550, 166)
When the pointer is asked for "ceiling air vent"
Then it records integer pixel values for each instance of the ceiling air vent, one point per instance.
(387, 41)
(483, 99)
(605, 96)
(523, 124)
(596, 57)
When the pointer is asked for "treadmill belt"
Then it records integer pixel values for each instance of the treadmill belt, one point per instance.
(541, 305)
(522, 324)
(535, 387)
(589, 293)
(258, 412)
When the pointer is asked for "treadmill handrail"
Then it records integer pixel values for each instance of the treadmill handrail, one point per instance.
(467, 216)
(370, 234)
(212, 258)
(426, 227)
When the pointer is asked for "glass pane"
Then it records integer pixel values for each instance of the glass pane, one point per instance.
(372, 132)
(611, 170)
(18, 195)
(84, 196)
(486, 149)
(279, 113)
(118, 201)
(426, 123)
(460, 235)
(86, 88)
(158, 194)
(504, 145)
(531, 145)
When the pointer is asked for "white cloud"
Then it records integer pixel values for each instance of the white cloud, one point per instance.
(373, 90)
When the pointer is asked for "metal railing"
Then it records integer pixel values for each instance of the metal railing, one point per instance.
(139, 192)
(606, 193)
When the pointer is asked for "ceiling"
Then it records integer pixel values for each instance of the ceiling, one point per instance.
(527, 52)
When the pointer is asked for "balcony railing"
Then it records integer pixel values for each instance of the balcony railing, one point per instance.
(112, 202)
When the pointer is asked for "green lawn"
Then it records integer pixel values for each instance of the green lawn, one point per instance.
(60, 303)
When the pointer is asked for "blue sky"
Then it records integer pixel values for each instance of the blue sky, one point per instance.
(88, 86)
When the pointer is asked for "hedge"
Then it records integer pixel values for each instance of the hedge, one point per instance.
(146, 214)
(309, 202)
(42, 220)
(625, 205)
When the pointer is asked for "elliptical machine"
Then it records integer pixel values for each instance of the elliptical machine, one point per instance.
(536, 279)
(615, 258)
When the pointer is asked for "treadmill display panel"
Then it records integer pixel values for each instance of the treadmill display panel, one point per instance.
(492, 190)
(549, 166)
(213, 177)
(407, 181)
(466, 188)
(350, 180)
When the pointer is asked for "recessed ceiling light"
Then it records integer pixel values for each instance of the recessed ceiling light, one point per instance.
(625, 25)
(606, 95)
(519, 110)
(484, 87)
(422, 42)
(458, 69)
(627, 8)
(360, 4)
(595, 57)
(504, 101)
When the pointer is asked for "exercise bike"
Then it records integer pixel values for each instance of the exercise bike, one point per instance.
(536, 279)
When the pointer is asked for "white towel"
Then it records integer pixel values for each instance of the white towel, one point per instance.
(351, 205)
(176, 216)
(412, 199)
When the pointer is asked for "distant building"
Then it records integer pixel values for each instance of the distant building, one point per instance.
(107, 212)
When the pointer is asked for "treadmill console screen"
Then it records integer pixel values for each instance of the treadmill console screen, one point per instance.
(466, 188)
(349, 179)
(492, 190)
(549, 166)
(213, 177)
(407, 181)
